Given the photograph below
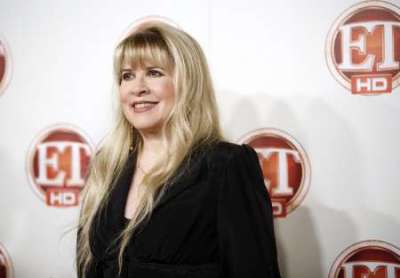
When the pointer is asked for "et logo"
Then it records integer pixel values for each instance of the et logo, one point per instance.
(371, 258)
(363, 48)
(5, 65)
(5, 264)
(285, 167)
(57, 165)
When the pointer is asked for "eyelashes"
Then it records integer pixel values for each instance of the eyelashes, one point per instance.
(155, 73)
(127, 75)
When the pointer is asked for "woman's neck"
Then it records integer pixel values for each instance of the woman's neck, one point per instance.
(151, 150)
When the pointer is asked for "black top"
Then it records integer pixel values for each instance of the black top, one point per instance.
(214, 221)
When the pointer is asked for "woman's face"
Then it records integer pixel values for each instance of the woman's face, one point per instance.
(147, 96)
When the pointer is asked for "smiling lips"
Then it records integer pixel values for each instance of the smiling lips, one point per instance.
(143, 106)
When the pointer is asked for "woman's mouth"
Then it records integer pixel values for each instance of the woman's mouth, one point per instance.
(143, 106)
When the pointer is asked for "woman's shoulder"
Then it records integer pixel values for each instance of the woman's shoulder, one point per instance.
(224, 151)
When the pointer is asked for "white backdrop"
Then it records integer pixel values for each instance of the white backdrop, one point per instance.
(268, 62)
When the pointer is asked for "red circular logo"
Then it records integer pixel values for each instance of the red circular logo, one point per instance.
(363, 48)
(285, 167)
(57, 165)
(5, 65)
(371, 258)
(5, 264)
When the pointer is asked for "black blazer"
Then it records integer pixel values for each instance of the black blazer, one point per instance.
(214, 221)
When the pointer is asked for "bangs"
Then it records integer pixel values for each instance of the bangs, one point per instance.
(143, 48)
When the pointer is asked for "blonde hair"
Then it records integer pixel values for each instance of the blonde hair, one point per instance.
(193, 122)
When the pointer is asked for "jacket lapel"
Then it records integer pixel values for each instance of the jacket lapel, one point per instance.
(187, 174)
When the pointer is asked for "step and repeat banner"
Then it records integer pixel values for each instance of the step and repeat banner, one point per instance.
(312, 86)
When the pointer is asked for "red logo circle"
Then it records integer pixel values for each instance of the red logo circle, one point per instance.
(6, 270)
(57, 164)
(363, 48)
(370, 258)
(5, 65)
(285, 167)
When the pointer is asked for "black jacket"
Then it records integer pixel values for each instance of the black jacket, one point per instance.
(214, 221)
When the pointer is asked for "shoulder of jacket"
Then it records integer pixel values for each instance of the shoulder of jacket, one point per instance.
(224, 151)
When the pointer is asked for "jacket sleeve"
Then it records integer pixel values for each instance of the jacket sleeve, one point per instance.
(247, 246)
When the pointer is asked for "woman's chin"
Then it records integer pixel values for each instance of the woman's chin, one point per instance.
(148, 129)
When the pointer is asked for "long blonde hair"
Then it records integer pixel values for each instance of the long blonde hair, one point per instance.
(193, 122)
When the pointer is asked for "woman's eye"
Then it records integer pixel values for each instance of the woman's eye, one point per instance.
(155, 73)
(126, 76)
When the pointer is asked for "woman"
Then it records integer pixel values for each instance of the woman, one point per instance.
(166, 196)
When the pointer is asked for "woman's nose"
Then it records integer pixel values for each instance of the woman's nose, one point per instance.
(139, 86)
